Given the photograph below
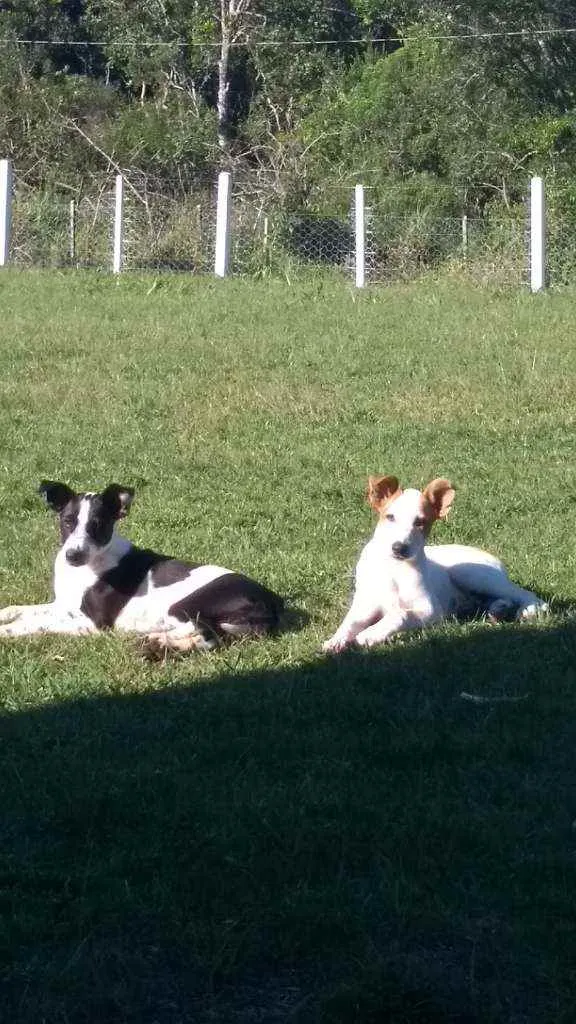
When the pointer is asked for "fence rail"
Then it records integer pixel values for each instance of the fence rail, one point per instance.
(232, 227)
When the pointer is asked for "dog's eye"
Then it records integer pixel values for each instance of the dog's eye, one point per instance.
(419, 522)
(390, 517)
(70, 521)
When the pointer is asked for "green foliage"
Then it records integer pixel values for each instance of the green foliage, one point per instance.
(163, 139)
(428, 115)
(438, 126)
(37, 117)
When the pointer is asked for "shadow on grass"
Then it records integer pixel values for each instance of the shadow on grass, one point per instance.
(349, 841)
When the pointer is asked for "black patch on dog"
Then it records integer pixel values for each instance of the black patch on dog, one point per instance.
(251, 608)
(63, 500)
(105, 509)
(170, 570)
(104, 601)
(68, 518)
(55, 494)
(100, 522)
(117, 500)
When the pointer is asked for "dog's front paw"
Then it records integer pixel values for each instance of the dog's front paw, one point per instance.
(335, 644)
(534, 610)
(501, 610)
(10, 613)
(13, 628)
(370, 640)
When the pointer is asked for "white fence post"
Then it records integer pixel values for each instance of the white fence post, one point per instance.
(222, 248)
(464, 234)
(118, 224)
(72, 231)
(537, 235)
(359, 236)
(5, 210)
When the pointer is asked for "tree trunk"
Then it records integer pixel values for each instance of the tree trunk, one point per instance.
(223, 99)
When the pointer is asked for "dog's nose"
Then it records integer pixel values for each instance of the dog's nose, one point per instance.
(400, 550)
(76, 556)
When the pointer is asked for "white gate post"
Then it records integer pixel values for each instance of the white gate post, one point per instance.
(222, 247)
(118, 224)
(5, 210)
(72, 231)
(537, 235)
(464, 234)
(360, 236)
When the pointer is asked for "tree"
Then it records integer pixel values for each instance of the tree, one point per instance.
(237, 18)
(442, 113)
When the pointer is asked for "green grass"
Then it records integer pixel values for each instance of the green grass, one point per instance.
(264, 834)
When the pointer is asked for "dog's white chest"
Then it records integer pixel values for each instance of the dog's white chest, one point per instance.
(71, 583)
(423, 590)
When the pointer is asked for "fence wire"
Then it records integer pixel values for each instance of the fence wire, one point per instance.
(90, 236)
(170, 232)
(170, 226)
(561, 234)
(39, 228)
(50, 230)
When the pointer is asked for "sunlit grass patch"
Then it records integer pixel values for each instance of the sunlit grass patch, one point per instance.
(264, 833)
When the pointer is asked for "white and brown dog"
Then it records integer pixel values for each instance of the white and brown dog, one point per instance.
(102, 581)
(403, 583)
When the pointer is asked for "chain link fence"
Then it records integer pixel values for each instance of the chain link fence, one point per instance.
(51, 230)
(171, 226)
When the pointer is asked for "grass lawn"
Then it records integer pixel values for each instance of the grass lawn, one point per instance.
(264, 834)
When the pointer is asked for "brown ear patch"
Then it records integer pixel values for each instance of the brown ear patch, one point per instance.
(381, 491)
(439, 495)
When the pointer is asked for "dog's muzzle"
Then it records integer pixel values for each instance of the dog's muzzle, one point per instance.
(76, 556)
(400, 550)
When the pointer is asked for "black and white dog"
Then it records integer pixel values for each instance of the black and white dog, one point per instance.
(102, 581)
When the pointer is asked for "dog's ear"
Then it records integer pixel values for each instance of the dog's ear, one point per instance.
(381, 489)
(56, 495)
(118, 499)
(439, 494)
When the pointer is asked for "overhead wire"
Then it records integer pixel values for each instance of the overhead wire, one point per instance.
(526, 33)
